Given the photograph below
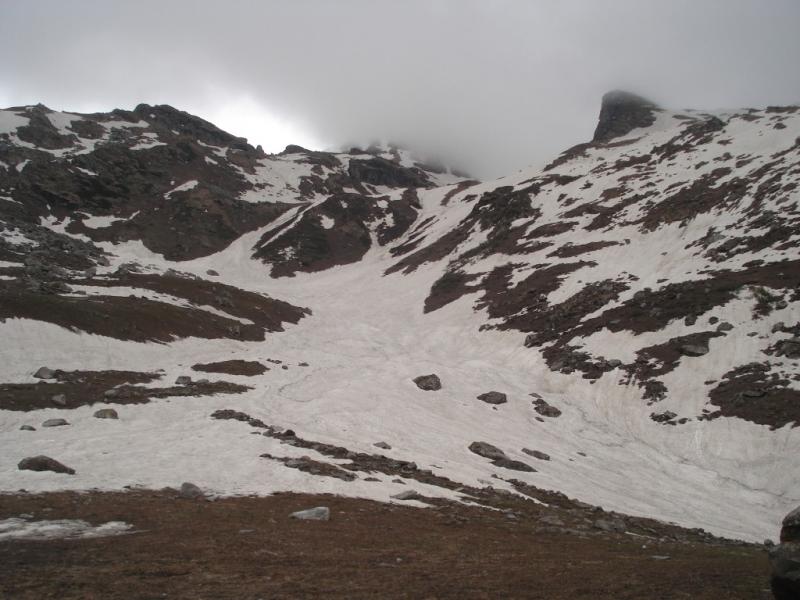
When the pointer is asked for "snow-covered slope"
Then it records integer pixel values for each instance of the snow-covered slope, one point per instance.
(644, 285)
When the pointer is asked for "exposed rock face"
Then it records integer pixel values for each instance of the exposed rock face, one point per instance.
(429, 383)
(380, 171)
(621, 113)
(493, 398)
(43, 463)
(785, 559)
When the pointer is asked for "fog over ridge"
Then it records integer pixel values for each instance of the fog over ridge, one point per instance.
(489, 86)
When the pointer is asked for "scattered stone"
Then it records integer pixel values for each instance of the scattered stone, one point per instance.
(59, 400)
(302, 364)
(408, 495)
(536, 454)
(190, 491)
(106, 413)
(693, 350)
(183, 380)
(55, 423)
(43, 463)
(541, 406)
(493, 398)
(486, 450)
(212, 272)
(27, 428)
(45, 373)
(724, 326)
(713, 320)
(382, 445)
(319, 513)
(429, 383)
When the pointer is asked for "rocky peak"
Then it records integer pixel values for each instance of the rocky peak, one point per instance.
(622, 112)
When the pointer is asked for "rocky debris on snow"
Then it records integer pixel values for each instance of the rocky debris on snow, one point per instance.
(59, 400)
(55, 423)
(493, 398)
(27, 428)
(43, 463)
(487, 450)
(541, 406)
(106, 413)
(382, 445)
(190, 491)
(45, 373)
(408, 495)
(319, 513)
(785, 559)
(536, 454)
(183, 380)
(429, 383)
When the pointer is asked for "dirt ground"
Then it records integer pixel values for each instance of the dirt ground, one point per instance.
(248, 548)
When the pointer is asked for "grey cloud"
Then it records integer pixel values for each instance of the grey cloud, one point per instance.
(490, 85)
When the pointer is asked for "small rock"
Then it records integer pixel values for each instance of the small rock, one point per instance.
(543, 408)
(319, 513)
(690, 320)
(514, 465)
(183, 380)
(27, 428)
(693, 350)
(486, 450)
(713, 320)
(106, 413)
(55, 423)
(43, 463)
(429, 383)
(724, 326)
(408, 495)
(190, 491)
(212, 272)
(536, 454)
(493, 398)
(382, 445)
(59, 400)
(45, 373)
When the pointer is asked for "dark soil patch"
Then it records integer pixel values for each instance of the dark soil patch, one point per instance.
(248, 368)
(82, 388)
(246, 547)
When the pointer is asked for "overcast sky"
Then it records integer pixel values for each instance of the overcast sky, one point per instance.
(490, 85)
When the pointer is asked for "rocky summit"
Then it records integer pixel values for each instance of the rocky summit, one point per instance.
(265, 318)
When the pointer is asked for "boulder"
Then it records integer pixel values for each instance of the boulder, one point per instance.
(190, 491)
(55, 423)
(724, 326)
(693, 350)
(319, 513)
(43, 463)
(543, 408)
(27, 428)
(183, 380)
(106, 413)
(45, 373)
(429, 383)
(59, 400)
(486, 450)
(785, 559)
(493, 398)
(382, 445)
(514, 465)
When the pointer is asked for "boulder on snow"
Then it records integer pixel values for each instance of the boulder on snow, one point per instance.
(541, 406)
(183, 380)
(486, 450)
(55, 423)
(382, 445)
(319, 513)
(493, 398)
(45, 373)
(408, 495)
(190, 491)
(514, 465)
(693, 350)
(536, 454)
(429, 383)
(27, 428)
(106, 413)
(43, 463)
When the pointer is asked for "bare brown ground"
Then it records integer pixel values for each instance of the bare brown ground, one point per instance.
(248, 548)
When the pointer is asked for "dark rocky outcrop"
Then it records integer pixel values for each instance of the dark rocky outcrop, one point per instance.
(620, 113)
(381, 171)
